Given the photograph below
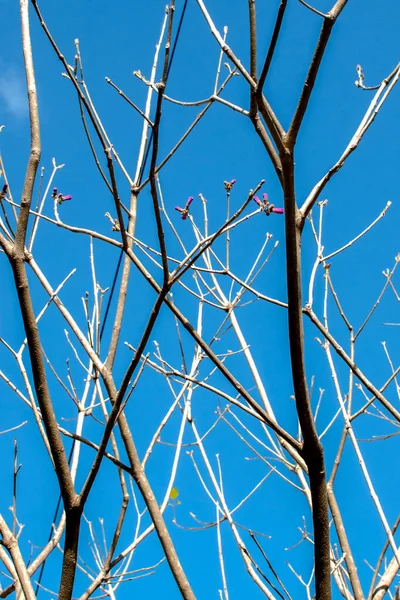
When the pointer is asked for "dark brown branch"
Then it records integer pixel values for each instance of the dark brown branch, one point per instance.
(312, 448)
(17, 261)
(70, 554)
(255, 540)
(128, 100)
(308, 87)
(253, 39)
(343, 437)
(259, 102)
(94, 446)
(91, 146)
(272, 45)
(156, 134)
(338, 457)
(59, 458)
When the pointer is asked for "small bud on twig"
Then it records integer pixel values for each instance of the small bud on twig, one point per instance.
(3, 191)
(229, 184)
(114, 222)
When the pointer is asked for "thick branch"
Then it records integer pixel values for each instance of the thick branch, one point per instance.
(41, 385)
(253, 39)
(312, 447)
(35, 153)
(62, 469)
(70, 554)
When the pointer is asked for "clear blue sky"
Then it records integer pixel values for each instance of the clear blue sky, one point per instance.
(115, 40)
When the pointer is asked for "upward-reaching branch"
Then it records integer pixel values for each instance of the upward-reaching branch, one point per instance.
(309, 83)
(272, 46)
(93, 118)
(17, 258)
(272, 122)
(312, 447)
(253, 39)
(156, 133)
(35, 153)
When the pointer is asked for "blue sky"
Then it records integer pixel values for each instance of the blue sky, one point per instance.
(115, 41)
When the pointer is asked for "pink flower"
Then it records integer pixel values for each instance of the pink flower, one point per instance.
(185, 211)
(59, 197)
(266, 206)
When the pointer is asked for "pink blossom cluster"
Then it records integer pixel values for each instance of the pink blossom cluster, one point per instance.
(266, 206)
(59, 197)
(185, 211)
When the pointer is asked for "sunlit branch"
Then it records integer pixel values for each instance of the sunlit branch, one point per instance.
(384, 90)
(35, 149)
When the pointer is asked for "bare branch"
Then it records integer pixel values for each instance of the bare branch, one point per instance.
(329, 21)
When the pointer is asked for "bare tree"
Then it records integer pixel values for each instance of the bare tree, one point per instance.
(149, 421)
